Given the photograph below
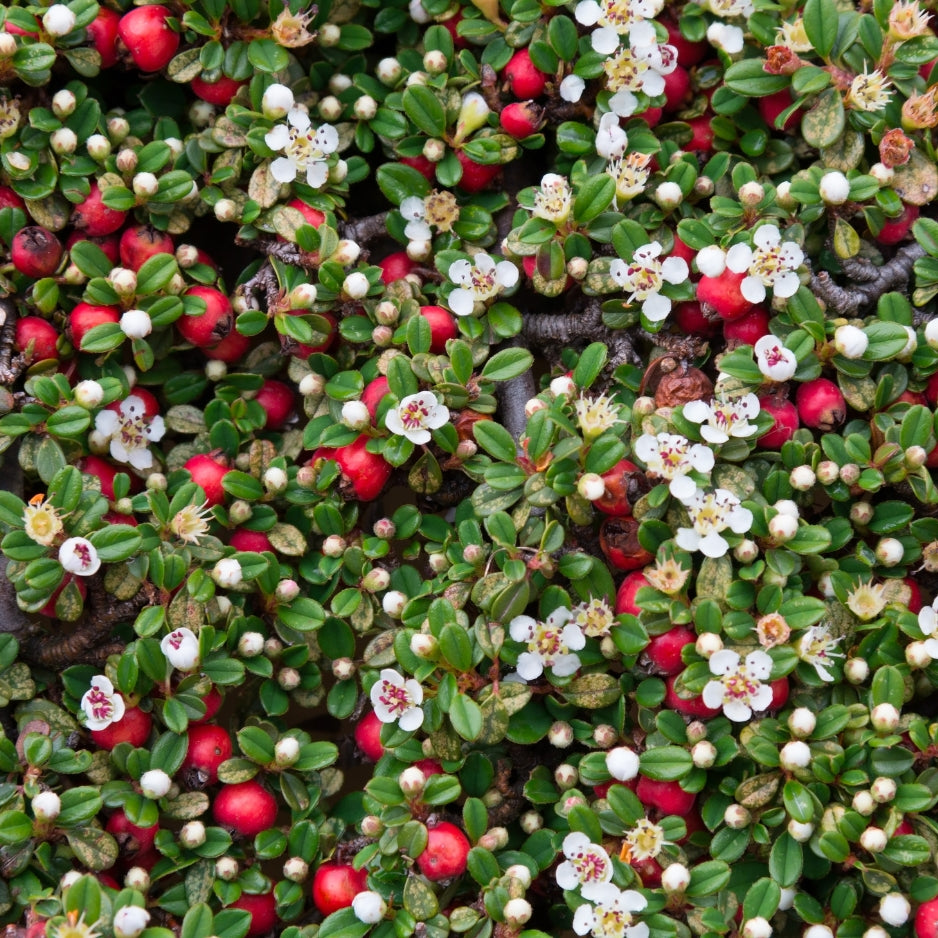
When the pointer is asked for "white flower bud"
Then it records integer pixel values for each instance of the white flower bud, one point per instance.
(560, 735)
(388, 71)
(704, 754)
(7, 45)
(251, 644)
(302, 296)
(882, 173)
(155, 784)
(227, 573)
(145, 185)
(275, 480)
(63, 141)
(434, 149)
(873, 839)
(296, 869)
(123, 280)
(289, 678)
(889, 551)
(423, 646)
(591, 486)
(563, 385)
(355, 415)
(136, 324)
(226, 210)
(72, 876)
(799, 831)
(751, 194)
(863, 803)
(130, 921)
(334, 546)
(668, 195)
(88, 394)
(277, 101)
(192, 834)
(894, 909)
(419, 250)
(58, 20)
(312, 385)
(817, 931)
(98, 147)
(711, 260)
(393, 603)
(675, 878)
(917, 655)
(787, 899)
(802, 722)
(531, 821)
(883, 790)
(737, 816)
(286, 750)
(226, 868)
(834, 188)
(828, 472)
(850, 341)
(622, 763)
(412, 781)
(368, 906)
(356, 286)
(532, 406)
(782, 528)
(757, 927)
(376, 580)
(517, 912)
(884, 717)
(857, 670)
(566, 776)
(47, 805)
(708, 644)
(802, 478)
(746, 551)
(931, 333)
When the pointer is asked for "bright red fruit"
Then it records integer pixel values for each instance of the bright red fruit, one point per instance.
(676, 89)
(262, 908)
(368, 736)
(139, 243)
(148, 37)
(429, 767)
(103, 32)
(312, 215)
(666, 797)
(396, 266)
(442, 327)
(85, 316)
(703, 134)
(625, 597)
(257, 541)
(521, 118)
(475, 176)
(208, 328)
(446, 852)
(130, 838)
(133, 728)
(691, 320)
(374, 393)
(688, 53)
(208, 472)
(665, 650)
(213, 701)
(209, 746)
(364, 474)
(103, 471)
(748, 328)
(649, 872)
(895, 229)
(625, 484)
(780, 692)
(915, 597)
(689, 706)
(93, 217)
(724, 295)
(246, 807)
(37, 334)
(36, 252)
(277, 400)
(821, 404)
(231, 348)
(926, 920)
(107, 243)
(218, 92)
(9, 199)
(525, 80)
(335, 885)
(421, 164)
(773, 105)
(785, 415)
(618, 538)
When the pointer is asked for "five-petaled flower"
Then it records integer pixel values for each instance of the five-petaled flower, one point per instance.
(550, 644)
(711, 513)
(816, 647)
(928, 623)
(595, 415)
(774, 263)
(101, 704)
(587, 865)
(78, 555)
(774, 360)
(739, 688)
(397, 700)
(672, 457)
(553, 199)
(305, 149)
(479, 280)
(611, 914)
(724, 418)
(131, 431)
(41, 521)
(416, 416)
(643, 278)
(612, 19)
(181, 648)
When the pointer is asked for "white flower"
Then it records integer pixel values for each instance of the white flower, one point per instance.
(58, 20)
(622, 763)
(595, 617)
(277, 101)
(851, 341)
(41, 521)
(227, 572)
(724, 418)
(554, 199)
(725, 37)
(102, 706)
(572, 88)
(672, 457)
(773, 264)
(131, 431)
(413, 208)
(78, 555)
(479, 280)
(181, 648)
(928, 623)
(612, 914)
(369, 907)
(611, 139)
(549, 644)
(869, 91)
(416, 416)
(587, 865)
(642, 65)
(304, 149)
(644, 841)
(397, 700)
(739, 689)
(711, 260)
(191, 522)
(630, 174)
(595, 415)
(155, 784)
(816, 647)
(613, 19)
(130, 921)
(710, 513)
(136, 324)
(644, 276)
(774, 360)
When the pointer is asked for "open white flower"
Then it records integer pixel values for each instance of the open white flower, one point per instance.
(774, 263)
(550, 644)
(595, 415)
(554, 199)
(78, 555)
(774, 360)
(867, 600)
(416, 416)
(101, 704)
(415, 214)
(613, 19)
(181, 648)
(630, 174)
(869, 91)
(710, 513)
(131, 431)
(191, 522)
(611, 139)
(724, 418)
(479, 280)
(816, 647)
(644, 277)
(397, 700)
(672, 457)
(130, 921)
(739, 688)
(41, 521)
(644, 841)
(612, 914)
(928, 623)
(587, 865)
(305, 150)
(642, 64)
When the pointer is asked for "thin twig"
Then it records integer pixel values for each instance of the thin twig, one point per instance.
(364, 230)
(514, 395)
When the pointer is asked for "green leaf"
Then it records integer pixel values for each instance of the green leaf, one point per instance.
(666, 763)
(398, 181)
(466, 717)
(786, 860)
(508, 363)
(749, 78)
(116, 542)
(267, 56)
(762, 899)
(887, 687)
(820, 24)
(495, 440)
(155, 273)
(424, 109)
(798, 802)
(593, 198)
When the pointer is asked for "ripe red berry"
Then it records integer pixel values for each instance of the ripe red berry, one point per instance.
(218, 92)
(107, 243)
(335, 885)
(895, 229)
(208, 328)
(93, 217)
(773, 105)
(691, 320)
(724, 295)
(213, 700)
(104, 471)
(262, 908)
(525, 80)
(702, 133)
(821, 404)
(429, 767)
(676, 89)
(476, 176)
(130, 838)
(9, 199)
(442, 327)
(257, 541)
(36, 252)
(689, 706)
(148, 37)
(232, 348)
(926, 920)
(208, 471)
(421, 164)
(139, 243)
(652, 116)
(209, 746)
(780, 692)
(618, 538)
(666, 797)
(625, 597)
(625, 484)
(364, 474)
(785, 415)
(368, 736)
(688, 53)
(396, 266)
(748, 328)
(37, 336)
(665, 650)
(375, 392)
(85, 316)
(277, 400)
(446, 852)
(247, 808)
(915, 597)
(649, 872)
(312, 215)
(521, 119)
(133, 727)
(103, 32)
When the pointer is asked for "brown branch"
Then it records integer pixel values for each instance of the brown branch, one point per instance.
(514, 395)
(364, 230)
(11, 366)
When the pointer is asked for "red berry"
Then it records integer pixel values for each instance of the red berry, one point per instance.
(625, 597)
(213, 701)
(218, 92)
(130, 838)
(133, 727)
(452, 27)
(780, 692)
(429, 767)
(375, 392)
(93, 217)
(683, 251)
(821, 404)
(38, 336)
(689, 706)
(312, 215)
(103, 32)
(785, 415)
(895, 229)
(911, 397)
(442, 327)
(748, 328)
(148, 37)
(103, 471)
(247, 808)
(262, 908)
(368, 736)
(475, 176)
(702, 133)
(36, 252)
(915, 597)
(396, 267)
(208, 328)
(665, 650)
(207, 472)
(49, 608)
(232, 348)
(625, 485)
(666, 797)
(277, 400)
(335, 885)
(9, 199)
(421, 164)
(521, 119)
(652, 116)
(691, 320)
(303, 350)
(724, 295)
(84, 317)
(525, 80)
(107, 243)
(364, 474)
(257, 541)
(649, 872)
(209, 746)
(141, 242)
(904, 829)
(926, 920)
(618, 538)
(445, 854)
(688, 53)
(676, 89)
(773, 105)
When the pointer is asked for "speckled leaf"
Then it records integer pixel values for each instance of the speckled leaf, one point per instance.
(446, 744)
(185, 66)
(845, 154)
(824, 123)
(736, 480)
(859, 393)
(916, 183)
(593, 691)
(287, 539)
(758, 791)
(199, 879)
(232, 771)
(713, 581)
(380, 650)
(263, 188)
(189, 805)
(95, 848)
(184, 418)
(494, 721)
(419, 899)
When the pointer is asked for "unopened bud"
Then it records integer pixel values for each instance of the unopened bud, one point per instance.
(192, 835)
(517, 912)
(226, 868)
(861, 513)
(286, 751)
(857, 670)
(889, 551)
(737, 817)
(828, 472)
(704, 754)
(751, 194)
(412, 781)
(560, 735)
(356, 285)
(388, 71)
(863, 803)
(591, 486)
(834, 188)
(874, 839)
(883, 790)
(296, 870)
(802, 478)
(251, 644)
(145, 185)
(531, 822)
(376, 580)
(675, 878)
(884, 717)
(566, 776)
(800, 832)
(343, 669)
(393, 603)
(289, 678)
(334, 546)
(708, 644)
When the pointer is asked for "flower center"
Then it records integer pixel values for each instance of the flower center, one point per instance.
(102, 707)
(624, 71)
(396, 699)
(739, 685)
(589, 867)
(482, 282)
(414, 415)
(301, 150)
